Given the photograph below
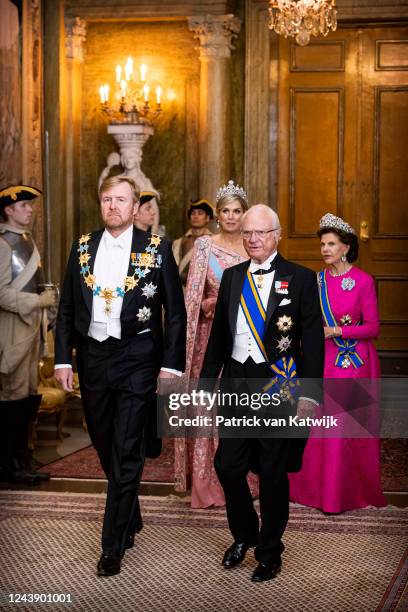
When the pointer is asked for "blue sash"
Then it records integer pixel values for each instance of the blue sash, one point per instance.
(346, 348)
(284, 370)
(215, 267)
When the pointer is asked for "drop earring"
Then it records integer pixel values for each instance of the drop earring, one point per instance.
(343, 258)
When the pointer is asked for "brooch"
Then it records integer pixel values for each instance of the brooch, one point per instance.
(144, 314)
(283, 344)
(149, 290)
(348, 283)
(284, 323)
(346, 320)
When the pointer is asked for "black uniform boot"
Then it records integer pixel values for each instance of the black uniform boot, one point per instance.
(13, 428)
(33, 404)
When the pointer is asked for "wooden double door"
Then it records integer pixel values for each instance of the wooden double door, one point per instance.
(343, 148)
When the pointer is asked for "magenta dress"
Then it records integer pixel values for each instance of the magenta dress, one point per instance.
(344, 474)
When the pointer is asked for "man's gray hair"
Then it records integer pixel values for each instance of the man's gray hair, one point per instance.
(264, 209)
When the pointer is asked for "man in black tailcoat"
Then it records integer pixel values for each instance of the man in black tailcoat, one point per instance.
(118, 281)
(287, 337)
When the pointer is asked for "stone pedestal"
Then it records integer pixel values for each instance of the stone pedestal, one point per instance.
(130, 138)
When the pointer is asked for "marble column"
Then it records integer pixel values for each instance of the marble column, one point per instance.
(75, 36)
(215, 34)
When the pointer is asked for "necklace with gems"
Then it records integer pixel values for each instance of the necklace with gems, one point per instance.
(142, 263)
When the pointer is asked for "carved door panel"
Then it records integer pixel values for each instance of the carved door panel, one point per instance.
(343, 148)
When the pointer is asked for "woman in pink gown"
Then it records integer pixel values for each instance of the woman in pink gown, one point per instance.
(194, 457)
(343, 474)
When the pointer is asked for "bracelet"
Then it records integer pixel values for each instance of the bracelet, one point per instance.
(334, 331)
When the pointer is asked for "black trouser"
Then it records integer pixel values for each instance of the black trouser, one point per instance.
(118, 380)
(233, 460)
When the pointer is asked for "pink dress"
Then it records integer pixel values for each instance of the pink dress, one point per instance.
(194, 457)
(344, 474)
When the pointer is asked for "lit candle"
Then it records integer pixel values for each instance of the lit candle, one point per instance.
(129, 68)
(158, 94)
(118, 70)
(123, 88)
(106, 88)
(102, 93)
(143, 71)
(146, 90)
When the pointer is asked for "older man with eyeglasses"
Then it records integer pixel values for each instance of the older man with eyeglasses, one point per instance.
(267, 325)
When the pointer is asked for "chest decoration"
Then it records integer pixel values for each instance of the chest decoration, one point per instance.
(346, 320)
(144, 314)
(284, 323)
(282, 287)
(142, 264)
(149, 290)
(348, 283)
(284, 344)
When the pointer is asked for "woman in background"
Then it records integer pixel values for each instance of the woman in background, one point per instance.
(194, 458)
(340, 474)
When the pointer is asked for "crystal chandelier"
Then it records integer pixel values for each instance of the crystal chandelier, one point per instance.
(130, 102)
(301, 18)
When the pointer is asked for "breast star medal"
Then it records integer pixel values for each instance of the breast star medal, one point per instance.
(347, 283)
(284, 344)
(149, 290)
(346, 320)
(284, 323)
(144, 314)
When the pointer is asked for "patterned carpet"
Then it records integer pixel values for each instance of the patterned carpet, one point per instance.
(85, 464)
(49, 543)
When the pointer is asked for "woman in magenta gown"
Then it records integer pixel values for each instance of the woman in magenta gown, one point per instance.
(340, 474)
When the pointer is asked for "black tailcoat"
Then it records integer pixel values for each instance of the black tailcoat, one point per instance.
(118, 377)
(272, 457)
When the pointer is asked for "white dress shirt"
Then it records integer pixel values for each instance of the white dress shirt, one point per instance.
(244, 343)
(110, 270)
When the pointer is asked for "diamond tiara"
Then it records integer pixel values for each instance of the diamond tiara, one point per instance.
(231, 190)
(331, 221)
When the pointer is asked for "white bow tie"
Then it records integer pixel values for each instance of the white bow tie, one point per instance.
(254, 267)
(111, 242)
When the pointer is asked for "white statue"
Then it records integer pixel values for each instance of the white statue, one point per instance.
(112, 160)
(131, 138)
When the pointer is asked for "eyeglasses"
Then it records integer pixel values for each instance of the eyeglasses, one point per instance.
(246, 234)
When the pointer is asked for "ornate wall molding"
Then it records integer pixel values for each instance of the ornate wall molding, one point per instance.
(75, 33)
(215, 33)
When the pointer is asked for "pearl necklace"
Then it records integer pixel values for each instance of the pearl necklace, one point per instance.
(335, 275)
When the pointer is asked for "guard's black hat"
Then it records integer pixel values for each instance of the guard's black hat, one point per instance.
(17, 193)
(201, 205)
(146, 196)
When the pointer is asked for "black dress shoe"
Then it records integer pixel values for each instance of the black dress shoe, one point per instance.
(266, 571)
(108, 565)
(235, 554)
